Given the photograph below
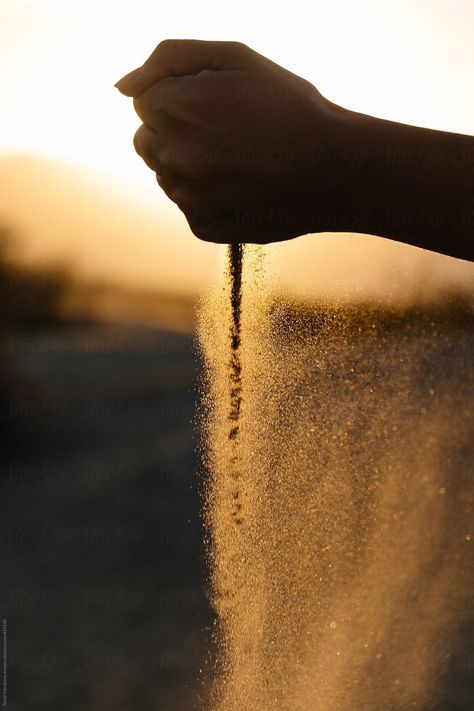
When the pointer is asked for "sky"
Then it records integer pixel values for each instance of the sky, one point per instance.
(405, 60)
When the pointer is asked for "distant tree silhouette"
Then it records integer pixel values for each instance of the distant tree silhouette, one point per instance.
(29, 296)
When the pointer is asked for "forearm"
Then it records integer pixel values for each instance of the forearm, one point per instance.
(253, 153)
(411, 184)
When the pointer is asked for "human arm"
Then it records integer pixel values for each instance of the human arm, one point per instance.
(253, 153)
(411, 184)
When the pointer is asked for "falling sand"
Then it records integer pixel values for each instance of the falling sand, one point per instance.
(235, 252)
(339, 500)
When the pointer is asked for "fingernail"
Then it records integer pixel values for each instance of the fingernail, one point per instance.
(127, 81)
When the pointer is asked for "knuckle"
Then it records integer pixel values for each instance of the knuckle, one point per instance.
(204, 222)
(146, 147)
(238, 48)
(147, 108)
(179, 195)
(138, 106)
(184, 197)
(200, 231)
(137, 140)
(177, 191)
(165, 46)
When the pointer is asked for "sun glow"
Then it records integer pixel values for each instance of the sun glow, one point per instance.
(405, 61)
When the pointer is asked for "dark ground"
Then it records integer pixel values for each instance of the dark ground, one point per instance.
(102, 572)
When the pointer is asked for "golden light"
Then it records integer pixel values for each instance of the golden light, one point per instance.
(407, 61)
(398, 60)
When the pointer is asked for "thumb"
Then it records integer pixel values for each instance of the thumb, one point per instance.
(174, 58)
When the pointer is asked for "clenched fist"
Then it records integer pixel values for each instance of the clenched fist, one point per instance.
(236, 141)
(253, 153)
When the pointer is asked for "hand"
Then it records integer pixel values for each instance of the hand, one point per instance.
(232, 138)
(253, 153)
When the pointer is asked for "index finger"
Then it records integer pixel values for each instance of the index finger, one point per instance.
(180, 57)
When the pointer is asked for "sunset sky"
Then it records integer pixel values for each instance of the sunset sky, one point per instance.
(406, 60)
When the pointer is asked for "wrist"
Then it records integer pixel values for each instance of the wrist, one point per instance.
(339, 178)
(398, 181)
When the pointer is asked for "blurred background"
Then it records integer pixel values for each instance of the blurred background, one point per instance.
(103, 579)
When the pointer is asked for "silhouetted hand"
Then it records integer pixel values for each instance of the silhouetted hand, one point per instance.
(230, 135)
(253, 153)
